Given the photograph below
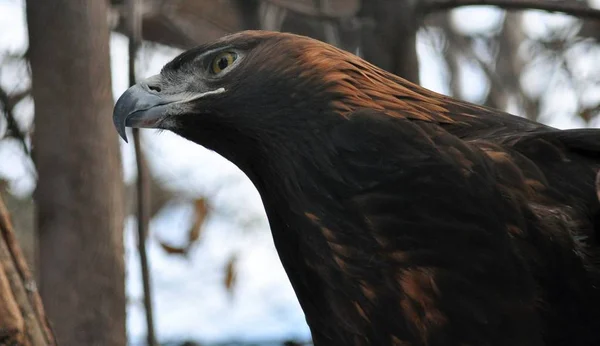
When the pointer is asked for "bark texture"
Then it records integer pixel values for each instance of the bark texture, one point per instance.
(79, 194)
(22, 317)
(390, 40)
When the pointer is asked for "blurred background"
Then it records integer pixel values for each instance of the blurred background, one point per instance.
(69, 182)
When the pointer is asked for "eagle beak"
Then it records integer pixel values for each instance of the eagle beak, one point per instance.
(144, 106)
(137, 107)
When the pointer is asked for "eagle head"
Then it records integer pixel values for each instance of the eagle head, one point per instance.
(250, 87)
(260, 86)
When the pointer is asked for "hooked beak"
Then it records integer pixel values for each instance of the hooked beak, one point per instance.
(141, 106)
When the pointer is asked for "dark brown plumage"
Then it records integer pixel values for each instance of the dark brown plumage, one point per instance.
(402, 217)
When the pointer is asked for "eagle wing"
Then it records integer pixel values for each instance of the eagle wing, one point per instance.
(467, 238)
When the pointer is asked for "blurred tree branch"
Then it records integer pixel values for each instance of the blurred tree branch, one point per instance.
(134, 26)
(590, 28)
(509, 66)
(329, 11)
(184, 23)
(511, 54)
(8, 103)
(570, 8)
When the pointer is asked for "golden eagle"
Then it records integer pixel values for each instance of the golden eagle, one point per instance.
(401, 216)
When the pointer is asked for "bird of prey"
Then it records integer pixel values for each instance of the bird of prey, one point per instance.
(401, 216)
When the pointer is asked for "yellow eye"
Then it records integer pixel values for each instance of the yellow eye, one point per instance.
(222, 61)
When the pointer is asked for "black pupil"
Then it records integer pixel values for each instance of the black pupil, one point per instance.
(223, 63)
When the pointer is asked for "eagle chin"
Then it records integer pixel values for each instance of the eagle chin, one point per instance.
(401, 216)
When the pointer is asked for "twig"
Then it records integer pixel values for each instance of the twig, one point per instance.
(570, 8)
(17, 97)
(7, 108)
(466, 50)
(135, 26)
(37, 326)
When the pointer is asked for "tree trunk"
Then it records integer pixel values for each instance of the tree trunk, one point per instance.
(79, 194)
(390, 40)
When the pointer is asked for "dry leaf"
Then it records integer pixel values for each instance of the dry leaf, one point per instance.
(173, 250)
(587, 114)
(230, 274)
(200, 213)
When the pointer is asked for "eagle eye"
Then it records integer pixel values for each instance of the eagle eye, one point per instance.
(222, 62)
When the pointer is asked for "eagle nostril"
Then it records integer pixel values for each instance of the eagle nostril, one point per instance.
(154, 88)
